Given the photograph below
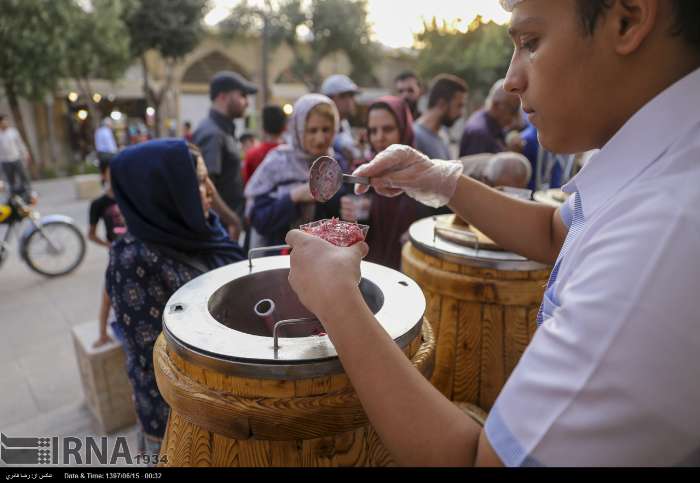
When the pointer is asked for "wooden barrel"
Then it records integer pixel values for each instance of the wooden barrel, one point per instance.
(482, 306)
(218, 419)
(240, 397)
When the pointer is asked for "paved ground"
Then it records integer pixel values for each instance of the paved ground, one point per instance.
(41, 393)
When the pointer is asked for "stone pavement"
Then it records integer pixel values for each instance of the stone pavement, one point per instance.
(40, 389)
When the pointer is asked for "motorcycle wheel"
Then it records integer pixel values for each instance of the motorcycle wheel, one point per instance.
(57, 249)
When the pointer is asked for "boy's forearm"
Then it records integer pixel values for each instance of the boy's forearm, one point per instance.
(519, 226)
(419, 426)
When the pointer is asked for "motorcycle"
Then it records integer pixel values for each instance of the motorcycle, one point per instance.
(51, 246)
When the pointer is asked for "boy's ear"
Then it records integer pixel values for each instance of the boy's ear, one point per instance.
(630, 22)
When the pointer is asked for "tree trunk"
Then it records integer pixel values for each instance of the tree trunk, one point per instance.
(19, 122)
(149, 95)
(53, 145)
(265, 57)
(85, 91)
(42, 136)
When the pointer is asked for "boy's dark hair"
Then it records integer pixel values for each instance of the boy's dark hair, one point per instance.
(444, 87)
(2, 116)
(405, 75)
(687, 18)
(274, 120)
(188, 124)
(246, 136)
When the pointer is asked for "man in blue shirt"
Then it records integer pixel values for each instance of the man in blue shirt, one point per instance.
(549, 170)
(484, 131)
(105, 144)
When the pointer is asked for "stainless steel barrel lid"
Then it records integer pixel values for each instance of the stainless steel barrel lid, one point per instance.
(212, 319)
(424, 237)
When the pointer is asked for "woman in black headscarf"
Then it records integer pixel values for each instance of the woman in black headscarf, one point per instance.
(165, 197)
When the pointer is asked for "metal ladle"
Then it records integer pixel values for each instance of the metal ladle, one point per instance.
(326, 178)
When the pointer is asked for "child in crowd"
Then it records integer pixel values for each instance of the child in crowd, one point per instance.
(105, 208)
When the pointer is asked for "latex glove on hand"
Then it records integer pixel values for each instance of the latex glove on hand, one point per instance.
(401, 169)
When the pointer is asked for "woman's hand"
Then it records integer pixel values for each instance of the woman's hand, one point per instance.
(321, 272)
(302, 194)
(400, 169)
(348, 209)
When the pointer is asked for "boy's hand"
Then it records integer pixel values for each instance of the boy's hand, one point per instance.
(321, 272)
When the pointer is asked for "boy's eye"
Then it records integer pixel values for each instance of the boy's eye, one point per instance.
(529, 44)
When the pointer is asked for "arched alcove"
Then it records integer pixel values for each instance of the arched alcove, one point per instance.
(202, 70)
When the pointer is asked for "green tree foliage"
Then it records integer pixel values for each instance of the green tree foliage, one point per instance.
(97, 46)
(480, 55)
(32, 56)
(332, 26)
(171, 27)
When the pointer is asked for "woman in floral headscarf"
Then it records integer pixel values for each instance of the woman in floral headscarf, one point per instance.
(278, 197)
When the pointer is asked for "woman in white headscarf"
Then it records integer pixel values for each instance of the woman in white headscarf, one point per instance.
(278, 196)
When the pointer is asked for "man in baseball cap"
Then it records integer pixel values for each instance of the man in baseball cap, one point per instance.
(227, 81)
(216, 137)
(342, 90)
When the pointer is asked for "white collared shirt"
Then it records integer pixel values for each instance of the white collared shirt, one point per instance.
(12, 147)
(613, 377)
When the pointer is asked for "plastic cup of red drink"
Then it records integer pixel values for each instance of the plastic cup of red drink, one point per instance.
(338, 232)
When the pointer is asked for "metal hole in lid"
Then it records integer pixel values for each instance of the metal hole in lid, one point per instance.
(234, 304)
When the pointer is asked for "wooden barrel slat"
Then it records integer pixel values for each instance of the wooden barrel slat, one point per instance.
(445, 354)
(483, 321)
(254, 453)
(351, 448)
(225, 451)
(378, 454)
(516, 336)
(532, 321)
(492, 355)
(284, 454)
(201, 447)
(320, 423)
(468, 374)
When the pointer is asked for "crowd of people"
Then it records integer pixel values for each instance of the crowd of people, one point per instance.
(190, 207)
(176, 208)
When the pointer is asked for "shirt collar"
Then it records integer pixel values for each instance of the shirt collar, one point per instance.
(644, 138)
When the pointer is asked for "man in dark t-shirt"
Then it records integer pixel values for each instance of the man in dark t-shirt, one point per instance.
(216, 137)
(105, 208)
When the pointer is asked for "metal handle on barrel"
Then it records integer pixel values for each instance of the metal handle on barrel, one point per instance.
(283, 323)
(253, 251)
(468, 234)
